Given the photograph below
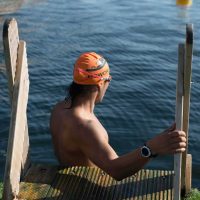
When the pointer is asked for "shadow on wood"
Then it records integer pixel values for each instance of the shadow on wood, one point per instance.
(44, 182)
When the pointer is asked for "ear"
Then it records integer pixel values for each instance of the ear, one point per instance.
(99, 86)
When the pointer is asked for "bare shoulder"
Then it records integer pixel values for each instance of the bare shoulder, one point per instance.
(84, 126)
(89, 129)
(60, 108)
(80, 127)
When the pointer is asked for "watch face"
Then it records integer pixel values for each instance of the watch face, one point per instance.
(145, 151)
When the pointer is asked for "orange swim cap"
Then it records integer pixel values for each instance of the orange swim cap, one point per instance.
(91, 69)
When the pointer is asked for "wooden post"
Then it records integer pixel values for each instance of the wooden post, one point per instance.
(17, 126)
(11, 43)
(18, 82)
(186, 175)
(179, 120)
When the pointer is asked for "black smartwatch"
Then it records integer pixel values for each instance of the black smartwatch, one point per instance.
(146, 152)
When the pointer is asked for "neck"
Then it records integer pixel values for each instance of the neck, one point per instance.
(85, 104)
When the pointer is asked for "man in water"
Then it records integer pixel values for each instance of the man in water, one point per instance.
(80, 139)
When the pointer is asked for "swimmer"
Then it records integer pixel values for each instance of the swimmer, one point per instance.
(80, 139)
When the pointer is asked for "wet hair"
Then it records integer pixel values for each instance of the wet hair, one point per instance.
(75, 90)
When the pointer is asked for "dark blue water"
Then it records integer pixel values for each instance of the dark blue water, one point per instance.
(139, 39)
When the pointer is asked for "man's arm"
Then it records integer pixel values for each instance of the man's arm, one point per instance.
(97, 149)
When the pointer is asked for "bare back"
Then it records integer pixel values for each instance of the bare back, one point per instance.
(65, 125)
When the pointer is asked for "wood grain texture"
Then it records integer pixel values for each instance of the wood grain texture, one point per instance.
(179, 119)
(188, 176)
(186, 103)
(37, 182)
(10, 42)
(17, 126)
(15, 57)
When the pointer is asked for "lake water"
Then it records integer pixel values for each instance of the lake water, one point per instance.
(139, 39)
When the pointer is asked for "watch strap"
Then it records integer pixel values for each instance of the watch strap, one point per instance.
(153, 155)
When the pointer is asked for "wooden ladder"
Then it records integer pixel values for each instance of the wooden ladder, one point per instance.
(26, 180)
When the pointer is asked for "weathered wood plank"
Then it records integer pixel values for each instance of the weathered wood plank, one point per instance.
(11, 43)
(186, 101)
(78, 179)
(179, 120)
(188, 181)
(126, 183)
(153, 184)
(162, 186)
(80, 182)
(58, 184)
(74, 177)
(26, 161)
(17, 126)
(93, 183)
(108, 190)
(165, 183)
(149, 185)
(157, 196)
(99, 184)
(37, 182)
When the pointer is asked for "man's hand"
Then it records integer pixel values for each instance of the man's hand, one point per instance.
(169, 141)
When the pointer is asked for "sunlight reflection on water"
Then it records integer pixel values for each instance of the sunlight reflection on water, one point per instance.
(9, 6)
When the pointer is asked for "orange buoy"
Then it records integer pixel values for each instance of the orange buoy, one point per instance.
(184, 2)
